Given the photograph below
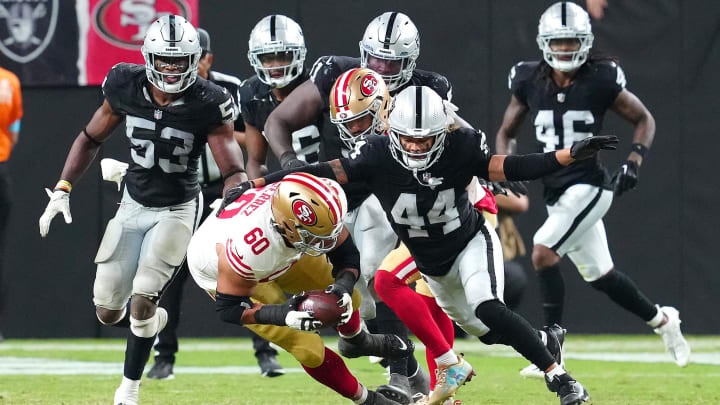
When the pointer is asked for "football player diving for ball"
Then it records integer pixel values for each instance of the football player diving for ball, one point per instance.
(567, 95)
(419, 173)
(280, 239)
(146, 240)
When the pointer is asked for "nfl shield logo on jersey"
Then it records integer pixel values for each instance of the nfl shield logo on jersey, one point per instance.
(158, 114)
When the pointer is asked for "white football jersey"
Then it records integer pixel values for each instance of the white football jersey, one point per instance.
(253, 248)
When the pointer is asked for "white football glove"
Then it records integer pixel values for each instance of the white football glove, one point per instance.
(451, 109)
(302, 320)
(345, 301)
(113, 170)
(59, 202)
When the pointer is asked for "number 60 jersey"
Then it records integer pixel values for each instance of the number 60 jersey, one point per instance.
(165, 142)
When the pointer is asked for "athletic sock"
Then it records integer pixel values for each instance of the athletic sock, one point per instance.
(137, 353)
(352, 328)
(447, 329)
(334, 374)
(621, 289)
(388, 323)
(552, 293)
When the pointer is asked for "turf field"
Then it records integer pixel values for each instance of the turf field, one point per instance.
(616, 370)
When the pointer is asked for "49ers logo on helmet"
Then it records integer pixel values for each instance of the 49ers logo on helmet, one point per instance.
(123, 23)
(304, 212)
(368, 84)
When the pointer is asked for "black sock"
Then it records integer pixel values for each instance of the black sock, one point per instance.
(510, 329)
(137, 353)
(621, 289)
(412, 366)
(388, 322)
(552, 293)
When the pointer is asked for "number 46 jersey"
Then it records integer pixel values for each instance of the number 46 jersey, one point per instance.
(165, 142)
(563, 116)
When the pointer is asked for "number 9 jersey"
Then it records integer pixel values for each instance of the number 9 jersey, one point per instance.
(563, 116)
(165, 141)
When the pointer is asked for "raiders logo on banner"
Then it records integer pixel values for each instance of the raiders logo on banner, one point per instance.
(123, 22)
(26, 27)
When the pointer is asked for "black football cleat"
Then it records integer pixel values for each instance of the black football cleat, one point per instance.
(375, 398)
(161, 370)
(555, 341)
(568, 389)
(269, 366)
(388, 346)
(420, 382)
(397, 389)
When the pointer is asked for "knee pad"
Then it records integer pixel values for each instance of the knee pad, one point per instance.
(491, 338)
(607, 282)
(491, 313)
(144, 328)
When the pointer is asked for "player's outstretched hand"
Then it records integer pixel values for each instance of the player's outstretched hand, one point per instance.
(344, 301)
(626, 177)
(233, 193)
(59, 202)
(590, 146)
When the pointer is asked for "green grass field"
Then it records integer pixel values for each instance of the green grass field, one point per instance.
(615, 369)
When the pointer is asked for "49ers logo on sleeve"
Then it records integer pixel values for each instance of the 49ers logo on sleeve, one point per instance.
(124, 22)
(368, 84)
(304, 212)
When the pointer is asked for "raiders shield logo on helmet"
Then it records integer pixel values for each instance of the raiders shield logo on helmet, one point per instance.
(304, 212)
(28, 29)
(123, 23)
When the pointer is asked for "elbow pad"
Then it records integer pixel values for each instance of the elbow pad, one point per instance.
(231, 307)
(530, 167)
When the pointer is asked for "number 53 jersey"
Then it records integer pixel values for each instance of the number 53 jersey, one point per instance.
(435, 223)
(165, 142)
(563, 116)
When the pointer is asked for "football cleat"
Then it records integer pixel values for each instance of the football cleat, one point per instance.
(269, 366)
(420, 382)
(126, 396)
(448, 379)
(423, 400)
(388, 346)
(555, 340)
(568, 389)
(672, 337)
(375, 398)
(161, 370)
(398, 389)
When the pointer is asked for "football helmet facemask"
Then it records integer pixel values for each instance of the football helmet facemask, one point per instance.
(392, 36)
(172, 40)
(355, 94)
(308, 211)
(565, 20)
(417, 112)
(274, 35)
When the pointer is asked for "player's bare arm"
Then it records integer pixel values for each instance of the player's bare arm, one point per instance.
(629, 106)
(513, 117)
(227, 154)
(88, 142)
(256, 147)
(301, 108)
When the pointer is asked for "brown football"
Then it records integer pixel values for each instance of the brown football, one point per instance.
(324, 307)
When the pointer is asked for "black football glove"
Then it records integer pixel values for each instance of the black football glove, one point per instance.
(344, 301)
(502, 187)
(588, 147)
(233, 193)
(626, 177)
(289, 160)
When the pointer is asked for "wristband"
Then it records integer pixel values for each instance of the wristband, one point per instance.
(64, 186)
(233, 172)
(93, 140)
(640, 149)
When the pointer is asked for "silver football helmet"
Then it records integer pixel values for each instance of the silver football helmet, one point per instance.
(565, 20)
(418, 112)
(392, 36)
(277, 34)
(172, 37)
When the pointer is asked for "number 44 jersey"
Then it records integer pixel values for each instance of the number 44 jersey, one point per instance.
(165, 142)
(563, 116)
(435, 223)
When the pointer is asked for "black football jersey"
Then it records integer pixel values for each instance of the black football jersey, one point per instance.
(434, 223)
(324, 73)
(563, 116)
(165, 141)
(257, 101)
(232, 85)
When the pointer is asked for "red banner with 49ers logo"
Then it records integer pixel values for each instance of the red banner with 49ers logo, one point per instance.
(116, 29)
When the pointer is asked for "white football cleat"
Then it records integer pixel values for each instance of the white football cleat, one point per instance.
(532, 371)
(126, 396)
(672, 337)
